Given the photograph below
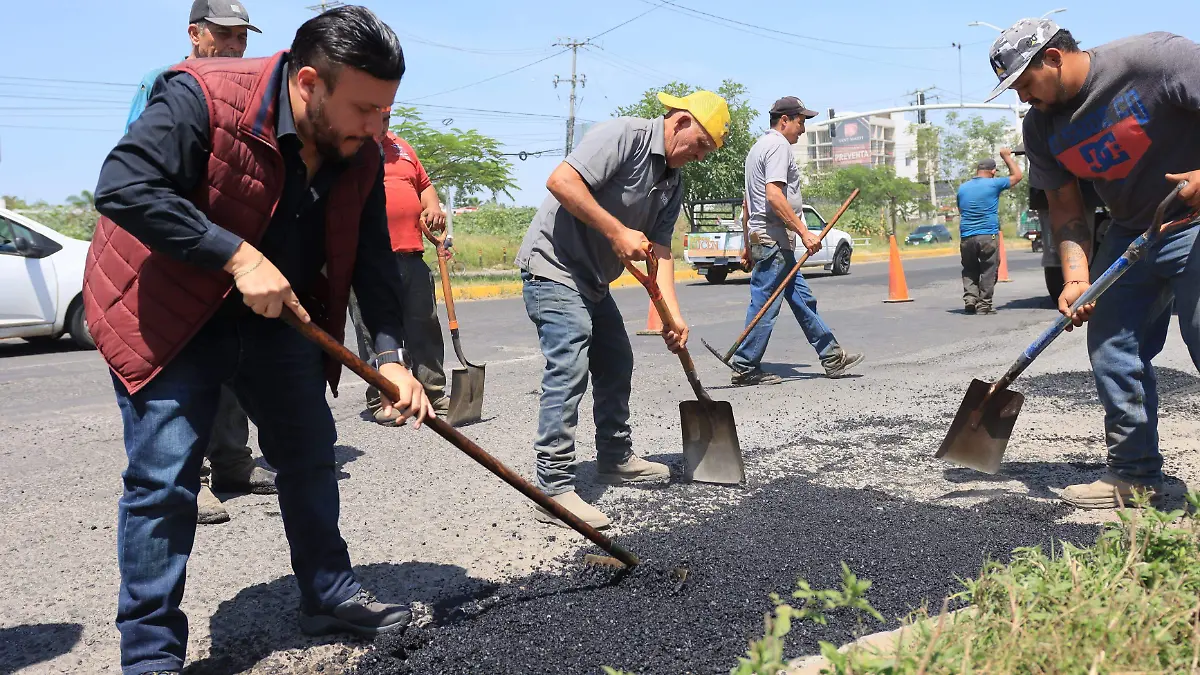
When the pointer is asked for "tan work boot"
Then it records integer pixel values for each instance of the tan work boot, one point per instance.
(209, 509)
(586, 512)
(1103, 493)
(441, 405)
(632, 470)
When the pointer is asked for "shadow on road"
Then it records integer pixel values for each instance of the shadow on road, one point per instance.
(590, 490)
(262, 619)
(1036, 302)
(343, 455)
(1043, 479)
(31, 644)
(63, 345)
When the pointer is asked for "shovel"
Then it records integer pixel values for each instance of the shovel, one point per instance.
(621, 555)
(466, 383)
(984, 422)
(711, 451)
(787, 280)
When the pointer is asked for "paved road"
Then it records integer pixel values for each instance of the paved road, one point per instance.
(423, 522)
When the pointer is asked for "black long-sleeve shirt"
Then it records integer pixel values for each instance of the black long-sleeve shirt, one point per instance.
(164, 156)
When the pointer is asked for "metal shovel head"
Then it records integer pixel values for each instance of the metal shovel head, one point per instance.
(711, 450)
(980, 431)
(466, 395)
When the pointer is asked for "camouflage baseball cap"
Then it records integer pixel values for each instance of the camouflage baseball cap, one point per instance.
(1016, 47)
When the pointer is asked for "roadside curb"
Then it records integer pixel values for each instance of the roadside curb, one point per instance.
(510, 289)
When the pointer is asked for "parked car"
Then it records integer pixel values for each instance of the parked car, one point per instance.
(41, 272)
(713, 244)
(928, 234)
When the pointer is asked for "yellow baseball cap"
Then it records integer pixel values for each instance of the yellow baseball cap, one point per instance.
(709, 109)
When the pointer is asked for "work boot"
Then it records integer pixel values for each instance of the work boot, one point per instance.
(441, 405)
(258, 481)
(754, 377)
(586, 512)
(209, 509)
(1103, 493)
(633, 470)
(969, 308)
(361, 615)
(837, 366)
(984, 310)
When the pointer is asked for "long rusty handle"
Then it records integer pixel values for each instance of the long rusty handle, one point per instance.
(649, 279)
(447, 292)
(787, 280)
(387, 388)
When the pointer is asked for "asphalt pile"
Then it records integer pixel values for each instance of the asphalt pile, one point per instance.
(655, 620)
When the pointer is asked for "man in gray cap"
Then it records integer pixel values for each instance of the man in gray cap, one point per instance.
(1123, 116)
(772, 213)
(218, 28)
(979, 226)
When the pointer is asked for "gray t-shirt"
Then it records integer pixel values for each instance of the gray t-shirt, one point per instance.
(770, 161)
(1136, 119)
(624, 162)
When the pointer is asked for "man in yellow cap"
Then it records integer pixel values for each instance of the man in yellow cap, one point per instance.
(615, 195)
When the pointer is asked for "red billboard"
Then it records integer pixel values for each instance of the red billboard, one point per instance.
(852, 142)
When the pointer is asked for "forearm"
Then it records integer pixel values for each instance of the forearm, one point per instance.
(166, 222)
(666, 280)
(573, 194)
(1014, 170)
(1072, 234)
(429, 199)
(779, 204)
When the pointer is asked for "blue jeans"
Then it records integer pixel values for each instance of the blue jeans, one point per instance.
(771, 265)
(1127, 330)
(578, 337)
(277, 376)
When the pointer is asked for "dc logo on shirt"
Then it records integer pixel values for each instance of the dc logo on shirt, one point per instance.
(1104, 153)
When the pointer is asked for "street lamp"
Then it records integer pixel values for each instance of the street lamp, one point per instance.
(994, 27)
(1054, 11)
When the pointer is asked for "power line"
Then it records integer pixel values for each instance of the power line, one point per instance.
(472, 50)
(48, 79)
(623, 23)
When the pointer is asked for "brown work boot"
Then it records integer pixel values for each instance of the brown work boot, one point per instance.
(586, 512)
(257, 481)
(1104, 493)
(441, 405)
(839, 365)
(633, 470)
(209, 509)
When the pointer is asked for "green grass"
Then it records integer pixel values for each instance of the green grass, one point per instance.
(1128, 604)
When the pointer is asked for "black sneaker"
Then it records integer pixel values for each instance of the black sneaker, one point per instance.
(837, 367)
(753, 377)
(361, 615)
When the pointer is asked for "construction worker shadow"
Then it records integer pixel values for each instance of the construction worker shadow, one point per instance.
(1036, 302)
(1045, 480)
(63, 345)
(343, 455)
(31, 644)
(262, 619)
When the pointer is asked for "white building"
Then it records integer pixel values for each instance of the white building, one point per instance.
(875, 140)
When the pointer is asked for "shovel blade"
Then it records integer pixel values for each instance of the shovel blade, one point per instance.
(711, 451)
(981, 428)
(466, 396)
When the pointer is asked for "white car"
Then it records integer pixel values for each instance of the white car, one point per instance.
(716, 253)
(41, 274)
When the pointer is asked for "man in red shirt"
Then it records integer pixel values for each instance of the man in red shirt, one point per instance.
(411, 198)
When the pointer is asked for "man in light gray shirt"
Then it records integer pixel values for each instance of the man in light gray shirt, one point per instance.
(614, 199)
(772, 212)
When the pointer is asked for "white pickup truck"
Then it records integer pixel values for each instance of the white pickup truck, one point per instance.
(713, 246)
(41, 274)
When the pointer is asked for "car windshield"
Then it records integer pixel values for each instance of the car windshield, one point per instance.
(924, 229)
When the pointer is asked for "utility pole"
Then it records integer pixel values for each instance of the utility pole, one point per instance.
(958, 46)
(931, 148)
(581, 80)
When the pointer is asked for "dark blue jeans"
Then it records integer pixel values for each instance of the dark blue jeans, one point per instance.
(1127, 330)
(277, 376)
(771, 265)
(578, 337)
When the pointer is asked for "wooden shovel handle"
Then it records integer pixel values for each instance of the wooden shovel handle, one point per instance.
(447, 293)
(376, 379)
(649, 279)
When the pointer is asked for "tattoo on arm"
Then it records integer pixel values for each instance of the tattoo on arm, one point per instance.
(1074, 244)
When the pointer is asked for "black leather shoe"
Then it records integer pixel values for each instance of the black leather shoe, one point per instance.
(362, 614)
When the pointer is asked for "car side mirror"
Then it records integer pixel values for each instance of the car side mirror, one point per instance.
(23, 246)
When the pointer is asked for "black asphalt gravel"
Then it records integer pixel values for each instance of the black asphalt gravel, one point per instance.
(577, 620)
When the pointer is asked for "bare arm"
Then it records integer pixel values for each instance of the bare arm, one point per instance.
(666, 284)
(1014, 170)
(778, 202)
(569, 188)
(1068, 224)
(431, 209)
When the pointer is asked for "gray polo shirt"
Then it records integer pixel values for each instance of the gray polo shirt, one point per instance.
(770, 160)
(624, 162)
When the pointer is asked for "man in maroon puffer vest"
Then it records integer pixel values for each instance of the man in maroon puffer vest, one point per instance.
(248, 187)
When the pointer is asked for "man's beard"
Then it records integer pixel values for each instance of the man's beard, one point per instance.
(324, 137)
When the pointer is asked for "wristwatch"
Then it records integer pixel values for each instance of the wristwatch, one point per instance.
(393, 356)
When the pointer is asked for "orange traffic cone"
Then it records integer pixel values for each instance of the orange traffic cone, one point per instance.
(1002, 274)
(653, 322)
(897, 286)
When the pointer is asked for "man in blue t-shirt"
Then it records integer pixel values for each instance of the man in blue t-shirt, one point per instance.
(979, 226)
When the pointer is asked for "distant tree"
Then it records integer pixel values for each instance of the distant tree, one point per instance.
(468, 161)
(881, 191)
(722, 173)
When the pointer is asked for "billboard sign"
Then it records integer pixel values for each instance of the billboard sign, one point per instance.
(852, 143)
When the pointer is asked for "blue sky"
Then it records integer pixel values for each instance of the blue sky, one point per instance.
(69, 67)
